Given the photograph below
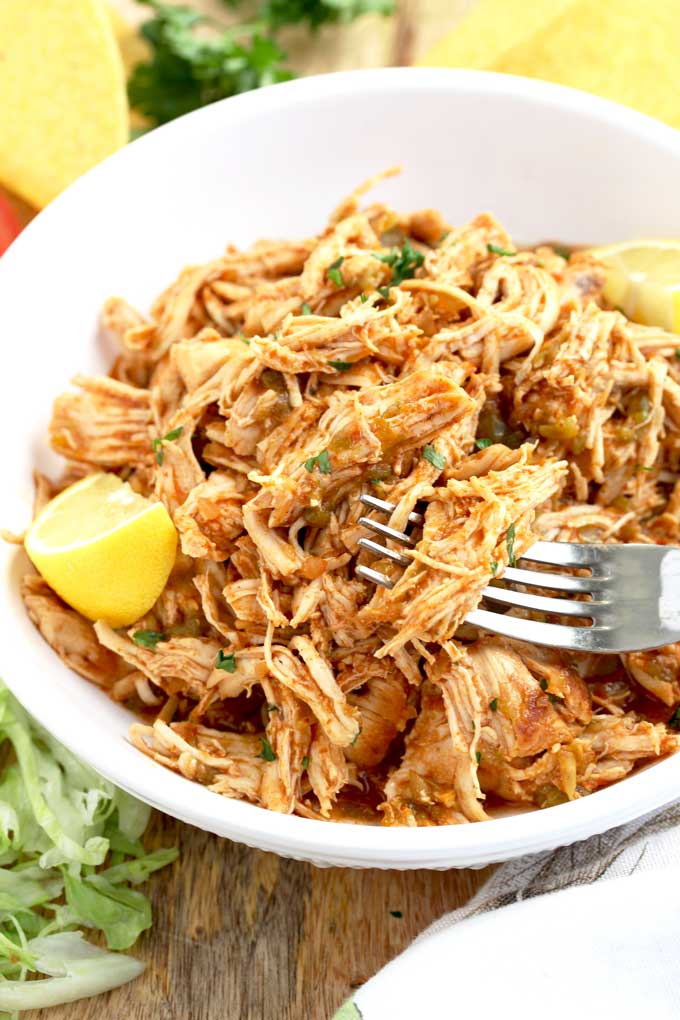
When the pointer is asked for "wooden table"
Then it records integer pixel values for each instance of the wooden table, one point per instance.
(244, 935)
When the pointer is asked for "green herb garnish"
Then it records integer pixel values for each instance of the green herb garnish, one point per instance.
(363, 298)
(334, 274)
(494, 567)
(305, 310)
(436, 459)
(674, 721)
(493, 704)
(482, 444)
(356, 736)
(677, 353)
(148, 638)
(169, 437)
(227, 662)
(403, 262)
(510, 543)
(267, 751)
(396, 913)
(495, 249)
(321, 460)
(342, 366)
(273, 708)
(305, 762)
(543, 684)
(478, 756)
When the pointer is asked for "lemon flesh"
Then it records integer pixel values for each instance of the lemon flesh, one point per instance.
(643, 280)
(106, 550)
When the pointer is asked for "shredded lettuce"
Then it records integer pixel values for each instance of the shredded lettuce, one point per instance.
(70, 855)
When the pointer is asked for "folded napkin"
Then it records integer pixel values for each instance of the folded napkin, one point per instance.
(626, 50)
(590, 930)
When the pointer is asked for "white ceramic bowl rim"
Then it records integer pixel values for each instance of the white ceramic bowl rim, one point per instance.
(344, 843)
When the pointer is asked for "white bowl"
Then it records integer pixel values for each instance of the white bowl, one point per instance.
(549, 162)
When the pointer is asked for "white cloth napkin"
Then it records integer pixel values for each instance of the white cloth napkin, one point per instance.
(591, 930)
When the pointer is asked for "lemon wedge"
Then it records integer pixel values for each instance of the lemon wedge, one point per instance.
(643, 280)
(104, 549)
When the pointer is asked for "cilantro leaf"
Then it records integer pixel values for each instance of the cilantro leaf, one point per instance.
(267, 751)
(279, 13)
(169, 437)
(333, 272)
(226, 662)
(436, 459)
(403, 262)
(148, 638)
(321, 460)
(496, 249)
(510, 543)
(187, 70)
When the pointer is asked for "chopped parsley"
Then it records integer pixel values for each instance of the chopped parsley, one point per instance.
(674, 721)
(396, 913)
(333, 272)
(363, 297)
(543, 684)
(169, 437)
(305, 762)
(226, 662)
(403, 262)
(510, 543)
(478, 756)
(437, 460)
(494, 567)
(267, 751)
(148, 638)
(305, 310)
(342, 366)
(496, 249)
(562, 250)
(384, 292)
(552, 698)
(482, 444)
(493, 705)
(321, 460)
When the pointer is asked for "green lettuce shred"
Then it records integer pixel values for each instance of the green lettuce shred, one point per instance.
(70, 857)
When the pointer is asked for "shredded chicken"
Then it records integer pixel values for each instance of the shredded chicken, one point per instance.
(439, 368)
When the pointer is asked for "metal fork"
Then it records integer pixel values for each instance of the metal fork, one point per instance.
(633, 590)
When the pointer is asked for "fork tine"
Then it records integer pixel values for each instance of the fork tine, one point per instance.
(382, 550)
(554, 634)
(375, 577)
(558, 582)
(387, 508)
(386, 532)
(542, 604)
(564, 554)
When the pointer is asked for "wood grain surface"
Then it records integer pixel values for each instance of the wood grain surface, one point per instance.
(244, 935)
